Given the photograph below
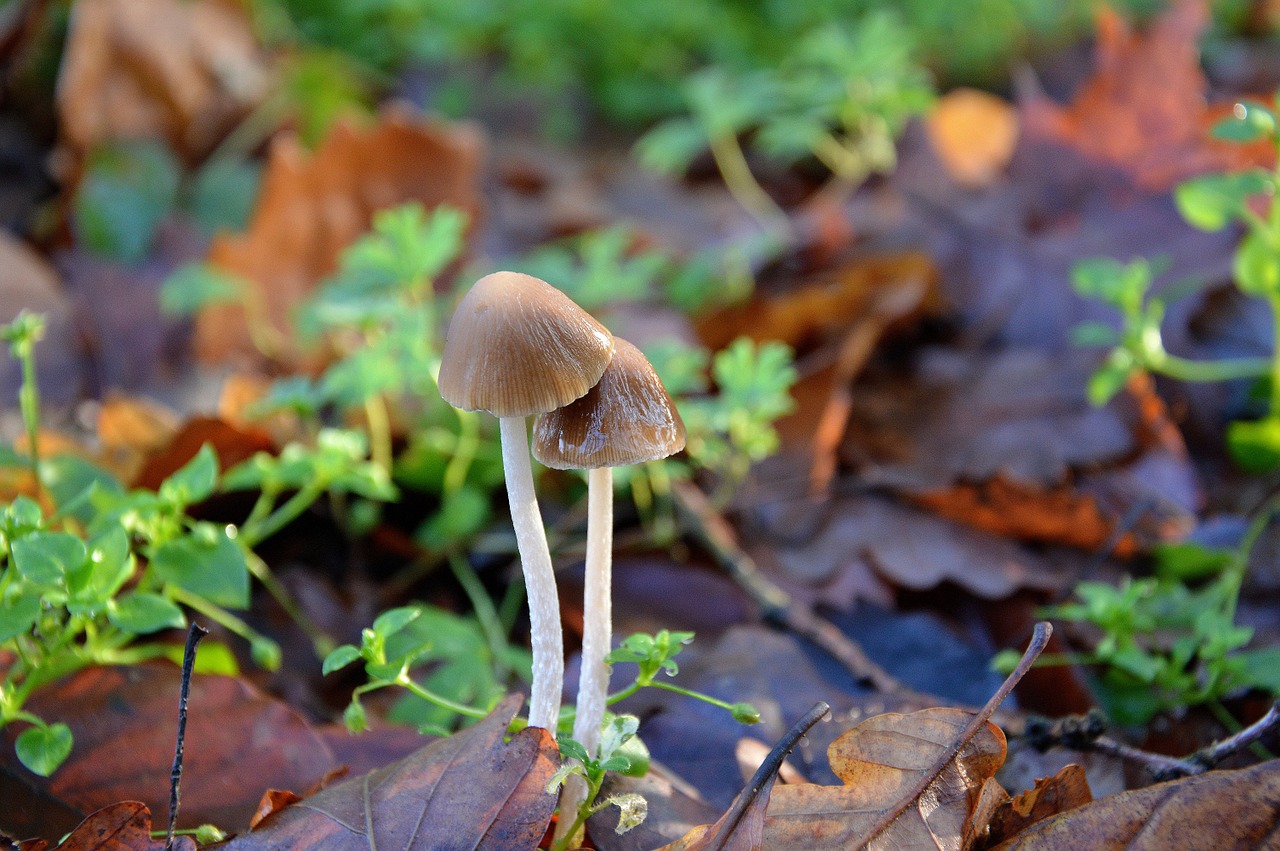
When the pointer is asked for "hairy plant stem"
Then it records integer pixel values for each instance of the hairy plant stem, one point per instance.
(539, 577)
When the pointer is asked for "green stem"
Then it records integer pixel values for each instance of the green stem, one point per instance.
(320, 642)
(1274, 301)
(743, 185)
(216, 613)
(252, 535)
(375, 410)
(486, 614)
(1221, 370)
(464, 451)
(439, 700)
(696, 695)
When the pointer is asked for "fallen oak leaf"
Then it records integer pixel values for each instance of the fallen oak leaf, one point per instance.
(471, 787)
(912, 780)
(1207, 812)
(125, 826)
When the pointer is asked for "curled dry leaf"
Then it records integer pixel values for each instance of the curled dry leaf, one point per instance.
(1066, 790)
(125, 826)
(879, 761)
(473, 788)
(1208, 812)
(1145, 109)
(185, 72)
(974, 133)
(312, 205)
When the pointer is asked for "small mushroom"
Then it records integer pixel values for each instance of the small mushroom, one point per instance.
(625, 419)
(518, 346)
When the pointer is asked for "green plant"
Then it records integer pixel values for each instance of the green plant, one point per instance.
(839, 97)
(620, 750)
(1170, 640)
(1210, 202)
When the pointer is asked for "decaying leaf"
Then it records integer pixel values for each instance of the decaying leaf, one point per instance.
(1144, 110)
(312, 205)
(879, 761)
(471, 787)
(130, 428)
(1066, 790)
(674, 808)
(1208, 812)
(181, 71)
(231, 444)
(125, 826)
(125, 723)
(974, 133)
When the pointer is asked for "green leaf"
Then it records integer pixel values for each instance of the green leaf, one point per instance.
(393, 620)
(1110, 378)
(1261, 668)
(108, 567)
(18, 613)
(338, 658)
(462, 514)
(1210, 202)
(196, 286)
(45, 558)
(212, 567)
(1257, 266)
(354, 717)
(143, 612)
(43, 749)
(212, 657)
(1094, 334)
(223, 194)
(1255, 445)
(1111, 281)
(127, 190)
(1249, 122)
(194, 481)
(1190, 561)
(671, 146)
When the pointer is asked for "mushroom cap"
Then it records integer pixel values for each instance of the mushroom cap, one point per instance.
(625, 419)
(517, 346)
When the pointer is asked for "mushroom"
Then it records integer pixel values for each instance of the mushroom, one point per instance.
(518, 346)
(625, 419)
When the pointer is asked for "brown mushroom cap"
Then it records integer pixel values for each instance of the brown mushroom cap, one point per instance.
(517, 346)
(625, 419)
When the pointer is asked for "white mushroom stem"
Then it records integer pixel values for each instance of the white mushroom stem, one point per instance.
(597, 635)
(539, 578)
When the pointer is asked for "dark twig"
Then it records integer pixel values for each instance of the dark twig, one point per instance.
(764, 775)
(194, 634)
(1039, 639)
(1085, 735)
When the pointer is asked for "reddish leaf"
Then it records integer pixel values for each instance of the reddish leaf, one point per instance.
(232, 445)
(471, 787)
(125, 723)
(974, 134)
(1144, 110)
(312, 205)
(125, 826)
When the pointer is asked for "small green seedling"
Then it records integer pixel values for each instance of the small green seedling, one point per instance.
(620, 750)
(1209, 202)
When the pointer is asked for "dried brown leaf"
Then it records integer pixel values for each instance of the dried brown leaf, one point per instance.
(231, 444)
(879, 761)
(1066, 790)
(1144, 109)
(471, 789)
(125, 826)
(312, 205)
(125, 723)
(185, 72)
(974, 133)
(1209, 812)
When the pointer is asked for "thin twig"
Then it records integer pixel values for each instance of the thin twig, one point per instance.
(1039, 639)
(194, 634)
(765, 775)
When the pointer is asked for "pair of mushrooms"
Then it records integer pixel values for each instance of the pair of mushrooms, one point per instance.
(517, 346)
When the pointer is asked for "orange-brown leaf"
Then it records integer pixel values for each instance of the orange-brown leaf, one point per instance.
(312, 205)
(181, 71)
(974, 134)
(1066, 790)
(1145, 107)
(1208, 812)
(880, 761)
(125, 826)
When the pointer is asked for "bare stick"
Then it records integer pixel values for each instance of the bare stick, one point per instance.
(194, 634)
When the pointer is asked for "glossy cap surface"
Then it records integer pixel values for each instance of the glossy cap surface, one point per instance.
(517, 346)
(625, 419)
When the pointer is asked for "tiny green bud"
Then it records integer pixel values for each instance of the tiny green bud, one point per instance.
(745, 713)
(266, 653)
(208, 834)
(355, 719)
